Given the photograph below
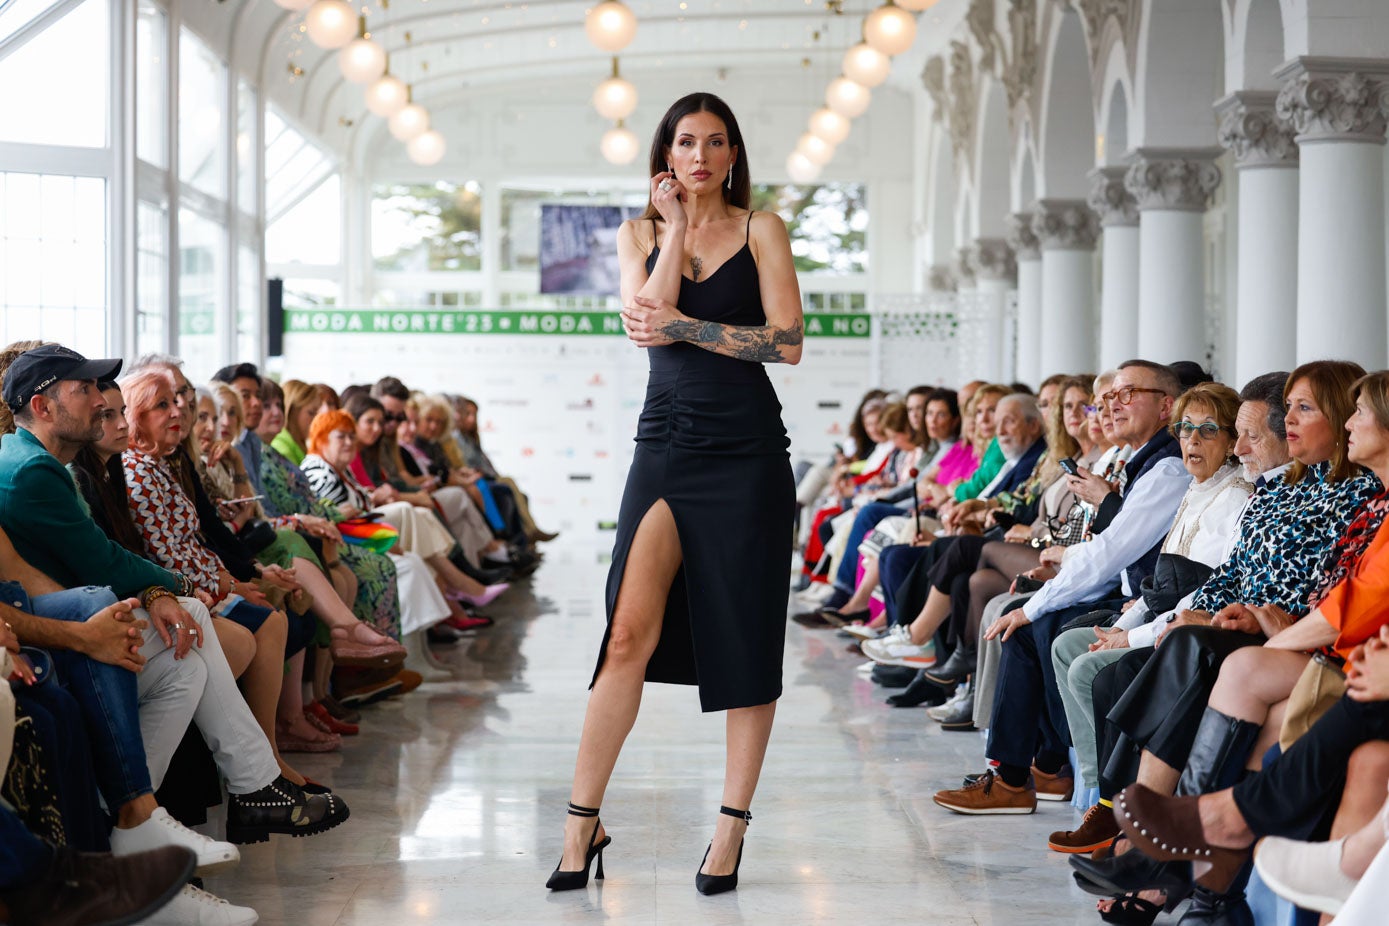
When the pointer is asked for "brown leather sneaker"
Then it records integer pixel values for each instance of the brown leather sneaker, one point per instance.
(80, 889)
(988, 795)
(1058, 787)
(1097, 829)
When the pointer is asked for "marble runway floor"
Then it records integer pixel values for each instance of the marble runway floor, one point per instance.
(458, 793)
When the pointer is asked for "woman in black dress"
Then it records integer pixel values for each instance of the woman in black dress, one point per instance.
(697, 590)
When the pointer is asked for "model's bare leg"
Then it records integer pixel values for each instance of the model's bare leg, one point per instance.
(612, 706)
(749, 728)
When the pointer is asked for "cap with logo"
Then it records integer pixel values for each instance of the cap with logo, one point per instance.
(34, 371)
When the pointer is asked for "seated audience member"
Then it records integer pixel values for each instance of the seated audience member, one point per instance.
(328, 468)
(1205, 529)
(301, 405)
(57, 409)
(245, 381)
(1022, 443)
(464, 435)
(1028, 725)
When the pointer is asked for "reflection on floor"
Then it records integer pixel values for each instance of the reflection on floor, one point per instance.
(458, 792)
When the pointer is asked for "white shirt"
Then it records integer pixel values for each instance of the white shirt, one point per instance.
(1207, 527)
(1092, 568)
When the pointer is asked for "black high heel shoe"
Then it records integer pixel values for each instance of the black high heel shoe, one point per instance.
(717, 884)
(573, 880)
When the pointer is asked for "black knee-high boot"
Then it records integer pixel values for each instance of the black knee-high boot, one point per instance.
(1217, 761)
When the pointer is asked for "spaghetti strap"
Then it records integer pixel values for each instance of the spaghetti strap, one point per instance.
(747, 232)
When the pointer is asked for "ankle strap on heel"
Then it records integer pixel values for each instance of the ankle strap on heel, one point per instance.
(578, 811)
(743, 815)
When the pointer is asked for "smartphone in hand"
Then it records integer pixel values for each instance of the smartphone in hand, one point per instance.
(1068, 466)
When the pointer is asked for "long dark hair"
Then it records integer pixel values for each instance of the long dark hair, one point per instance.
(741, 193)
(357, 406)
(103, 486)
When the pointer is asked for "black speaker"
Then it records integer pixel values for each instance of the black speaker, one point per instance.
(275, 316)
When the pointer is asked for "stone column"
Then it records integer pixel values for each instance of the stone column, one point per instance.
(963, 268)
(1118, 212)
(1028, 254)
(1172, 187)
(1066, 229)
(940, 278)
(1266, 161)
(995, 272)
(1337, 107)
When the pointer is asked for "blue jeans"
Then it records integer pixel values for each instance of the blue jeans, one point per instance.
(867, 518)
(895, 565)
(23, 856)
(107, 694)
(66, 762)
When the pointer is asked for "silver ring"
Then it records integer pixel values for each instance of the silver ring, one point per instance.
(663, 186)
(178, 626)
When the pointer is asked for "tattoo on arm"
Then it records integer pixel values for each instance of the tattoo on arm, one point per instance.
(756, 344)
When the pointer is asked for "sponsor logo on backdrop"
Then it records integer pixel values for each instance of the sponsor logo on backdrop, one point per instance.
(486, 321)
(580, 477)
(829, 403)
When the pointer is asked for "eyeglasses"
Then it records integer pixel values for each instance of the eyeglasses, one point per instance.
(187, 394)
(1182, 430)
(1125, 396)
(1089, 409)
(392, 416)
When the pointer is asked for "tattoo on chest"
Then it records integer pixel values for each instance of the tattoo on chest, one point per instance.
(696, 268)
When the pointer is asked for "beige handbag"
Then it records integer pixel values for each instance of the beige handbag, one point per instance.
(1321, 685)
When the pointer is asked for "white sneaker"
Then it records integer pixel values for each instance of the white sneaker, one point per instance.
(1307, 873)
(866, 668)
(942, 711)
(163, 830)
(192, 907)
(890, 651)
(817, 593)
(862, 631)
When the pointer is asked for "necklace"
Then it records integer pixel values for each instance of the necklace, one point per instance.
(696, 267)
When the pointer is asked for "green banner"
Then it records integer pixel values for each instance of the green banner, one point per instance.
(533, 322)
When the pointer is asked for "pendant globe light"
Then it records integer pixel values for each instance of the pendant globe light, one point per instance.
(388, 95)
(866, 66)
(800, 168)
(610, 26)
(410, 121)
(916, 6)
(362, 60)
(847, 98)
(426, 149)
(331, 23)
(615, 97)
(829, 125)
(890, 29)
(619, 144)
(816, 149)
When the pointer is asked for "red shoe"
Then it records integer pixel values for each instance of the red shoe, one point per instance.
(468, 622)
(318, 715)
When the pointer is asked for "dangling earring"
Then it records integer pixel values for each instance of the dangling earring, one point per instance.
(669, 169)
(730, 177)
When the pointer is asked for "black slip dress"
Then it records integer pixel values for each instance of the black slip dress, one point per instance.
(711, 443)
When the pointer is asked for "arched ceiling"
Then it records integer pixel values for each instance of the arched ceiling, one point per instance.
(445, 47)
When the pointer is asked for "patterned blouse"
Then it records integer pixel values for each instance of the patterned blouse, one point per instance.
(1286, 541)
(330, 486)
(168, 521)
(286, 490)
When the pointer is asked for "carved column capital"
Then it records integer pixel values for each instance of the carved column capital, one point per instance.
(1251, 127)
(1065, 225)
(1334, 99)
(963, 267)
(1020, 237)
(1109, 198)
(940, 278)
(1175, 179)
(992, 259)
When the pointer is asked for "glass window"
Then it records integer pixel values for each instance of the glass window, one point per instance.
(427, 226)
(152, 278)
(521, 219)
(202, 275)
(293, 165)
(247, 138)
(151, 84)
(311, 293)
(827, 224)
(248, 305)
(53, 260)
(19, 13)
(202, 159)
(56, 84)
(311, 231)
